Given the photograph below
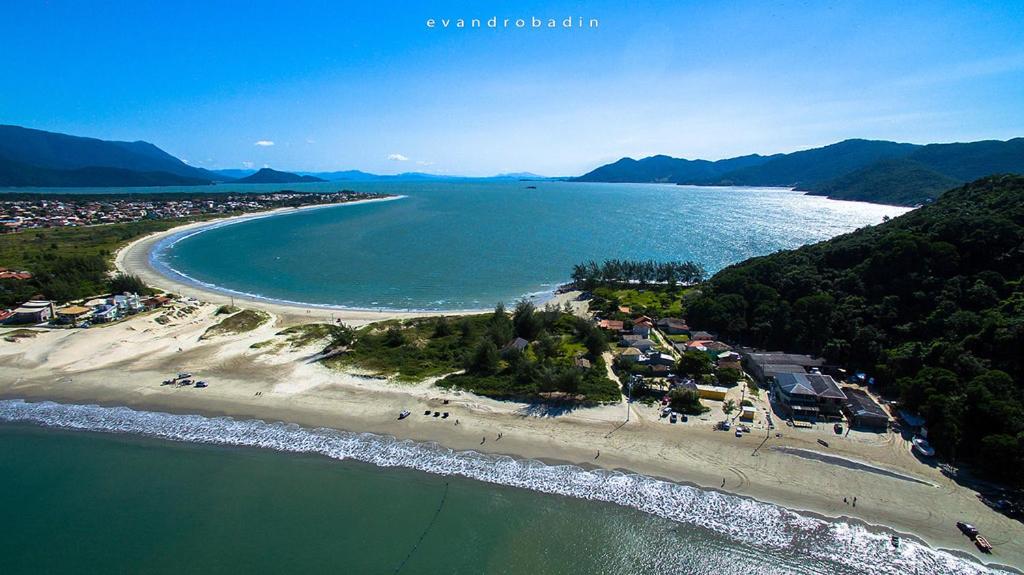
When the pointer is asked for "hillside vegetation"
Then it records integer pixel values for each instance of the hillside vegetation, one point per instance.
(930, 303)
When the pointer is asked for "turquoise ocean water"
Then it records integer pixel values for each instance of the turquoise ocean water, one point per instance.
(468, 245)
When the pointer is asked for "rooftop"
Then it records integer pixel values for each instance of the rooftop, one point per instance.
(859, 403)
(780, 358)
(809, 384)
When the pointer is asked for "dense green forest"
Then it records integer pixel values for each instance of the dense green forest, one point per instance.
(899, 181)
(929, 303)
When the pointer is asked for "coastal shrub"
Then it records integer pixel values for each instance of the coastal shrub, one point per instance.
(310, 333)
(525, 320)
(694, 363)
(126, 283)
(241, 322)
(546, 369)
(484, 360)
(728, 376)
(685, 400)
(442, 327)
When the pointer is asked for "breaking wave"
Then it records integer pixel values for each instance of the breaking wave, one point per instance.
(851, 547)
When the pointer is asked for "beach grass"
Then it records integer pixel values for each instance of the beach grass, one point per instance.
(409, 350)
(241, 322)
(311, 333)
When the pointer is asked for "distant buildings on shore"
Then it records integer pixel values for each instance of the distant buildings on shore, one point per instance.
(66, 210)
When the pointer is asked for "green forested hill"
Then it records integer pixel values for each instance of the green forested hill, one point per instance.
(930, 303)
(864, 170)
(899, 182)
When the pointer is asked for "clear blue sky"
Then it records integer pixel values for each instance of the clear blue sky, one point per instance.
(338, 85)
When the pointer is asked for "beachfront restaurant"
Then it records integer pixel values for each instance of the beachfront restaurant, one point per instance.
(808, 395)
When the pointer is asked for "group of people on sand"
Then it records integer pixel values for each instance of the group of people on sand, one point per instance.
(847, 501)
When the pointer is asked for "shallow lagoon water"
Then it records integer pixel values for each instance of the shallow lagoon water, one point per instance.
(467, 245)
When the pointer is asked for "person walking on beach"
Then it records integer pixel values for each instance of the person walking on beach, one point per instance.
(483, 440)
(598, 454)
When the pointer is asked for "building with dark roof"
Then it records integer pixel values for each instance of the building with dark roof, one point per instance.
(808, 395)
(765, 365)
(673, 326)
(518, 344)
(863, 411)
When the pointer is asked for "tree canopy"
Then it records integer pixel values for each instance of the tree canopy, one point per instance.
(929, 303)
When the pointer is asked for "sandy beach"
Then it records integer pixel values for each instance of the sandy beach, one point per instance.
(125, 363)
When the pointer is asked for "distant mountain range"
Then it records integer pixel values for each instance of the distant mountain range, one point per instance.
(37, 158)
(360, 176)
(866, 170)
(268, 176)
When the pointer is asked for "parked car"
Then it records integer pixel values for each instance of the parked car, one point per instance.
(838, 428)
(922, 447)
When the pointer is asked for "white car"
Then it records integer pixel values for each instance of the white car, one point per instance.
(922, 447)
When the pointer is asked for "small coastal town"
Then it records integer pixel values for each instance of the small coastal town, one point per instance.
(30, 211)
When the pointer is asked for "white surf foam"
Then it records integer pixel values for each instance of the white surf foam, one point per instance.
(853, 547)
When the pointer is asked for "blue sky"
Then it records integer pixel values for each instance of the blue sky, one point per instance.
(340, 85)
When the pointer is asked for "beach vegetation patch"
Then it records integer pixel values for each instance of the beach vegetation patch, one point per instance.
(314, 333)
(489, 355)
(686, 400)
(241, 322)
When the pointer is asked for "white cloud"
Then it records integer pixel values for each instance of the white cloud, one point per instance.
(398, 158)
(424, 163)
(310, 141)
(264, 143)
(248, 165)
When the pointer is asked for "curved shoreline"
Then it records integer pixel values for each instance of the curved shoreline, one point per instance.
(136, 258)
(687, 514)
